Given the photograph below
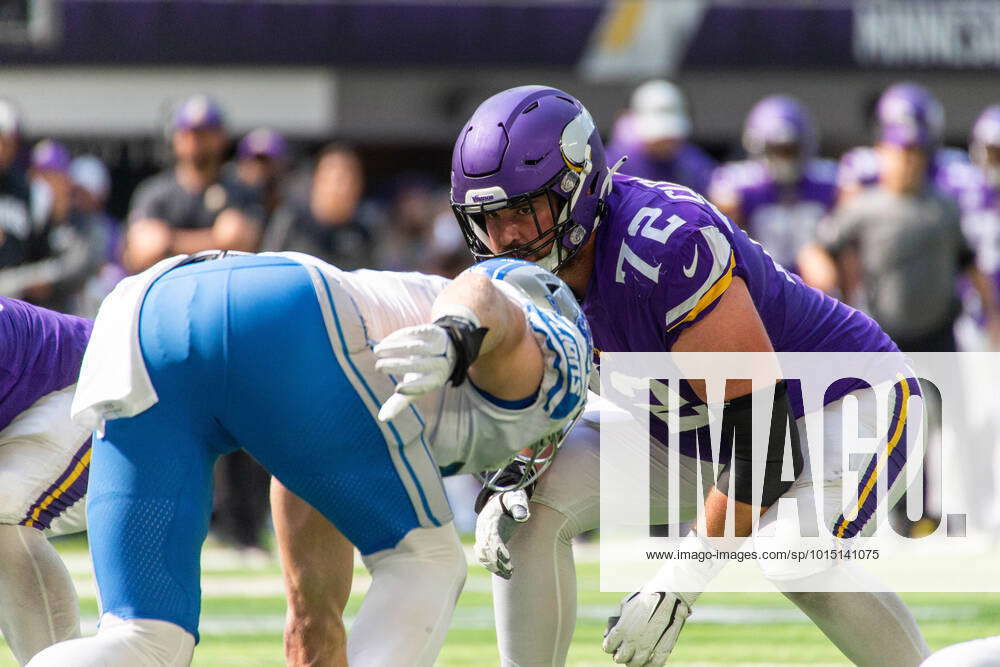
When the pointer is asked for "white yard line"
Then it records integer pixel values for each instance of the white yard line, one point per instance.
(479, 618)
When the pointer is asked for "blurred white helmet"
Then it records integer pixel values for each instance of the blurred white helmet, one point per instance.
(89, 173)
(10, 119)
(660, 111)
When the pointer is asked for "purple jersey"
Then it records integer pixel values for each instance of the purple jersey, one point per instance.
(859, 167)
(40, 352)
(781, 218)
(665, 256)
(689, 166)
(979, 201)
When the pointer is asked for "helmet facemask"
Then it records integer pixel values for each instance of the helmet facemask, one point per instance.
(525, 467)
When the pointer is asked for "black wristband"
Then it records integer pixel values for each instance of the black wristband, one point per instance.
(467, 338)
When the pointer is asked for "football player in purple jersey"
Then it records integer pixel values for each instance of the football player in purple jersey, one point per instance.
(780, 194)
(657, 268)
(44, 465)
(976, 188)
(901, 103)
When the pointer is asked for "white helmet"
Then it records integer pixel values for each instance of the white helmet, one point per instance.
(547, 292)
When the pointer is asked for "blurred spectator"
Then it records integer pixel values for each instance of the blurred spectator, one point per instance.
(262, 164)
(193, 206)
(91, 185)
(909, 242)
(653, 134)
(421, 234)
(782, 192)
(19, 237)
(899, 103)
(332, 221)
(91, 188)
(71, 242)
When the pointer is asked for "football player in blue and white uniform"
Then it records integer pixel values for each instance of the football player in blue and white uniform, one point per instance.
(291, 358)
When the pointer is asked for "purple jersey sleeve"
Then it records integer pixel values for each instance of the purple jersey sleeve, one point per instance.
(671, 261)
(697, 269)
(40, 353)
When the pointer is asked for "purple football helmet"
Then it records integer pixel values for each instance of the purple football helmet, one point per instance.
(909, 115)
(522, 143)
(778, 131)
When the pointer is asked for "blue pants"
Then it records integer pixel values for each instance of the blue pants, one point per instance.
(240, 356)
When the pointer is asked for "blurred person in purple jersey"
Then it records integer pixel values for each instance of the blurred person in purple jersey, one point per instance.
(782, 192)
(262, 164)
(44, 466)
(333, 221)
(73, 241)
(193, 205)
(657, 269)
(653, 133)
(899, 103)
(906, 234)
(976, 188)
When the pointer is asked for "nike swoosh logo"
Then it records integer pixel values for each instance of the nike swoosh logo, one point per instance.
(689, 270)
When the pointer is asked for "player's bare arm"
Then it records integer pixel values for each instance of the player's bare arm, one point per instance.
(507, 343)
(477, 331)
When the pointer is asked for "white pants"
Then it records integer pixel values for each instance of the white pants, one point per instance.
(44, 460)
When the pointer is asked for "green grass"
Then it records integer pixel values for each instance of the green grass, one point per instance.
(228, 640)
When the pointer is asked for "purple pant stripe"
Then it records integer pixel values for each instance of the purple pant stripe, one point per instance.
(894, 466)
(66, 499)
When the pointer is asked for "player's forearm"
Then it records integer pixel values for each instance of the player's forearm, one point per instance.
(503, 319)
(509, 365)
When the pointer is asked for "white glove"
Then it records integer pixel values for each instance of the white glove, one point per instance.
(423, 355)
(646, 628)
(494, 527)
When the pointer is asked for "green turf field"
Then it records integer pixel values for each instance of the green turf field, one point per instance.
(243, 609)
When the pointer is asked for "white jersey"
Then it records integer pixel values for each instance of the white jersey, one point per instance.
(466, 429)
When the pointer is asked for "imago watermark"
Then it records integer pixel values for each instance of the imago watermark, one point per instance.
(809, 471)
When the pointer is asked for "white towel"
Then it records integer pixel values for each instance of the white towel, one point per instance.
(113, 381)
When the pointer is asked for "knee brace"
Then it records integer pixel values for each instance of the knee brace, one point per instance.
(737, 423)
